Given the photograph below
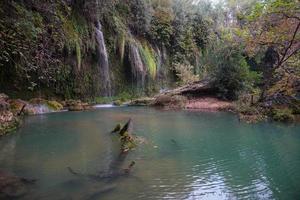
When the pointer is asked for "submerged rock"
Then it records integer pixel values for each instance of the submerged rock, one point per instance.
(13, 187)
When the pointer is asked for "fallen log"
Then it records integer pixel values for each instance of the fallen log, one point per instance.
(198, 88)
(126, 128)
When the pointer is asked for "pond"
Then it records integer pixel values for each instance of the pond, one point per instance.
(187, 155)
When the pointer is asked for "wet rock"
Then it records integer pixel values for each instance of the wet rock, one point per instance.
(8, 122)
(87, 106)
(117, 103)
(55, 105)
(77, 105)
(16, 105)
(142, 101)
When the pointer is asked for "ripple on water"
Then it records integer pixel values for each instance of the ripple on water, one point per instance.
(188, 155)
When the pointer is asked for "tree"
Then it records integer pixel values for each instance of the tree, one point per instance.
(275, 24)
(272, 29)
(141, 15)
(161, 25)
(231, 74)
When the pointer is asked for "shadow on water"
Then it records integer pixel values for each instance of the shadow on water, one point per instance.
(90, 186)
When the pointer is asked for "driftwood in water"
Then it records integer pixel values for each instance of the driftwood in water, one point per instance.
(116, 129)
(127, 140)
(126, 128)
(110, 175)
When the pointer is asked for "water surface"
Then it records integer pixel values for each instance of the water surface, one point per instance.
(188, 155)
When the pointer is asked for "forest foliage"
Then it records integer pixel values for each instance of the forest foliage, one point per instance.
(241, 46)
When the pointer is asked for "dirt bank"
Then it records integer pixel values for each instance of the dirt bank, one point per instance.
(208, 104)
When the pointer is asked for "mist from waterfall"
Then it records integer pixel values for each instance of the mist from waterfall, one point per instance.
(103, 62)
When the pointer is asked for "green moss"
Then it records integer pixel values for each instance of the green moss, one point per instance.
(121, 46)
(54, 105)
(78, 54)
(148, 57)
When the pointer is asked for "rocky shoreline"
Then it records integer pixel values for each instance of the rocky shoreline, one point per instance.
(12, 110)
(199, 96)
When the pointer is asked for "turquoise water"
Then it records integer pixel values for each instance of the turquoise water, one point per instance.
(187, 155)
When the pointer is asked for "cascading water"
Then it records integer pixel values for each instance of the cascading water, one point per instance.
(103, 62)
(137, 66)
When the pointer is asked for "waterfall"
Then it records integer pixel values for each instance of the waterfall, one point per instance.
(103, 62)
(137, 66)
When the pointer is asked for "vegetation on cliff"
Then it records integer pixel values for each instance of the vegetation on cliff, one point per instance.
(244, 48)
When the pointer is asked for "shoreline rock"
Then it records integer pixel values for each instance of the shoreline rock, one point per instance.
(9, 121)
(77, 105)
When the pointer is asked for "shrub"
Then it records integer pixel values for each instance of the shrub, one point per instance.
(185, 73)
(231, 74)
(282, 115)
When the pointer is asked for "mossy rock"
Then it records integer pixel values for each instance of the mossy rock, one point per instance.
(86, 106)
(117, 103)
(72, 102)
(54, 105)
(8, 122)
(142, 101)
(16, 105)
(283, 115)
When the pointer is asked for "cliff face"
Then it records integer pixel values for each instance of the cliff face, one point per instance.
(58, 49)
(91, 48)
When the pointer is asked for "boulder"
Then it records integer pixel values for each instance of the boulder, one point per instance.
(77, 105)
(8, 122)
(17, 105)
(117, 103)
(54, 105)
